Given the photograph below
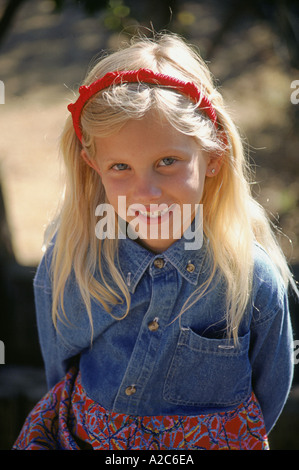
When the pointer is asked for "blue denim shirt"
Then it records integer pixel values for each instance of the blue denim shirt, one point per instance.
(154, 362)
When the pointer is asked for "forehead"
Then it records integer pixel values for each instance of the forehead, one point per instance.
(152, 134)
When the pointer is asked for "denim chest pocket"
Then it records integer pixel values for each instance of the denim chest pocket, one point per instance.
(208, 372)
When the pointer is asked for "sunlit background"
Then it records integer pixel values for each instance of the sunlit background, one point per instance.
(45, 52)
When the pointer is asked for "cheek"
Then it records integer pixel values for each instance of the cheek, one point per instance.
(194, 182)
(114, 190)
(108, 189)
(194, 189)
(199, 175)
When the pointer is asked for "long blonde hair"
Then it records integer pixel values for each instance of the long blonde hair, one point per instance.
(232, 219)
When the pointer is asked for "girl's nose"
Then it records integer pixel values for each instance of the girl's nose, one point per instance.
(147, 189)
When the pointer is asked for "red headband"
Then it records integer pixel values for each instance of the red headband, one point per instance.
(137, 76)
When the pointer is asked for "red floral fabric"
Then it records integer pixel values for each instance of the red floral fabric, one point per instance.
(65, 418)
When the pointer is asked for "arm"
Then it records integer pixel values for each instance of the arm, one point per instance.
(55, 355)
(271, 347)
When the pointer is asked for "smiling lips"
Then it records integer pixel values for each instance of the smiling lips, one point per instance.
(154, 213)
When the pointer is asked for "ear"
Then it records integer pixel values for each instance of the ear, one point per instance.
(214, 165)
(86, 158)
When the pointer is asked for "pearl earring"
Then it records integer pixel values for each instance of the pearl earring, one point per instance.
(213, 171)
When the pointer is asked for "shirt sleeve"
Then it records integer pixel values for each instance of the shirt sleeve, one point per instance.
(56, 356)
(271, 345)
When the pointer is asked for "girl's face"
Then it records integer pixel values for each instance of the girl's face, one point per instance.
(158, 170)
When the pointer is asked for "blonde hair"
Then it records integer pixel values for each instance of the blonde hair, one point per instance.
(233, 220)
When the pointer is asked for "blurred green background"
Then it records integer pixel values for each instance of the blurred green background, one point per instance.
(46, 47)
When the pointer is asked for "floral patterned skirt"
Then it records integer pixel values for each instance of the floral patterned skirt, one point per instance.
(65, 418)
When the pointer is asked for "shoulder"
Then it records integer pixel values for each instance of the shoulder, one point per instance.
(268, 288)
(42, 278)
(265, 270)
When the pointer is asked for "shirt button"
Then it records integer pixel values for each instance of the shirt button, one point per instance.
(190, 267)
(159, 263)
(153, 325)
(130, 390)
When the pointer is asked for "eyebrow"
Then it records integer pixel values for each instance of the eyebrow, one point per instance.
(168, 152)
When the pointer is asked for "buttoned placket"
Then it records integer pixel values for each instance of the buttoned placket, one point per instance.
(157, 318)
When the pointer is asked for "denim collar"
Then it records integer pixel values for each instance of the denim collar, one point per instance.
(135, 259)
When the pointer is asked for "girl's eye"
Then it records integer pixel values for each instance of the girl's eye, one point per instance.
(167, 161)
(120, 167)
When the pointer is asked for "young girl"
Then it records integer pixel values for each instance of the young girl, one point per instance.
(153, 341)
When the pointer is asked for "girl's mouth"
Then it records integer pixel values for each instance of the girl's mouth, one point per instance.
(156, 213)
